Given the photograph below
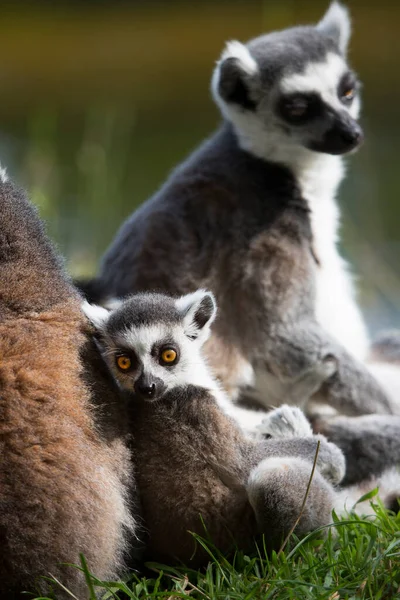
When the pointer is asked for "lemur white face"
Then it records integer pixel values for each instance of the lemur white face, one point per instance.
(293, 87)
(152, 342)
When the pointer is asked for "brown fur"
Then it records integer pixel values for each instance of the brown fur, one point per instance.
(62, 478)
(187, 443)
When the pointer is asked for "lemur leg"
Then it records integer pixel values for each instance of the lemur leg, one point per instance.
(295, 350)
(277, 486)
(276, 491)
(370, 443)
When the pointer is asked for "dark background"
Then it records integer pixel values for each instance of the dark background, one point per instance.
(99, 100)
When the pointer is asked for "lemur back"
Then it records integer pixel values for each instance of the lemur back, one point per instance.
(251, 215)
(65, 478)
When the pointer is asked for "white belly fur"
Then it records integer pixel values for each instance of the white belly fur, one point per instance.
(336, 308)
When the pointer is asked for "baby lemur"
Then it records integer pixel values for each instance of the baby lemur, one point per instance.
(197, 471)
(252, 216)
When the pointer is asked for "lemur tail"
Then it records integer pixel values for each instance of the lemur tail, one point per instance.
(370, 443)
(276, 489)
(388, 484)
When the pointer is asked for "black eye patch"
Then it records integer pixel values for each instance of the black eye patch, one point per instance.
(298, 109)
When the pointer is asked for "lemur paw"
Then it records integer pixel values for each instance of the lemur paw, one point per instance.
(331, 462)
(285, 422)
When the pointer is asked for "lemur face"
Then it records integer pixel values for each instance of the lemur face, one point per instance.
(294, 87)
(152, 342)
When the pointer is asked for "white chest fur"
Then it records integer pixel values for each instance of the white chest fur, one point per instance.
(336, 308)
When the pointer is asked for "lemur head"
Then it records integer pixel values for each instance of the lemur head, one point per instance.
(292, 89)
(152, 342)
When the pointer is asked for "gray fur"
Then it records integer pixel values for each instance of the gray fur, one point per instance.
(274, 51)
(280, 487)
(146, 309)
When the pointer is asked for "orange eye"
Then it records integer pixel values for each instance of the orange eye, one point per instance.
(349, 94)
(124, 363)
(168, 356)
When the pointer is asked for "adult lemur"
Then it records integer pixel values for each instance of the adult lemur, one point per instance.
(65, 470)
(195, 466)
(252, 216)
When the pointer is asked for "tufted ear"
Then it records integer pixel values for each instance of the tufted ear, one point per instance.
(198, 311)
(233, 76)
(97, 315)
(336, 24)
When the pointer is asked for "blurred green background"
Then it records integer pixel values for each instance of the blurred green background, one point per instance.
(99, 100)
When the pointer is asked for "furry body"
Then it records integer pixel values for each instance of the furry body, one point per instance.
(252, 216)
(64, 478)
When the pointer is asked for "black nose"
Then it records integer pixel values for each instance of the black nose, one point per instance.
(145, 389)
(344, 135)
(149, 387)
(352, 135)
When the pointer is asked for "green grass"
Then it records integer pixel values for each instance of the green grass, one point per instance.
(353, 558)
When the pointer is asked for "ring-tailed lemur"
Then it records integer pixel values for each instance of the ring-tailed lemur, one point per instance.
(252, 216)
(195, 467)
(66, 485)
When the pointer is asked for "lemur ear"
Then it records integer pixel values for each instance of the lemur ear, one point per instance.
(199, 311)
(336, 24)
(97, 315)
(232, 77)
